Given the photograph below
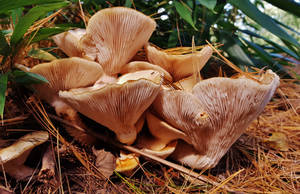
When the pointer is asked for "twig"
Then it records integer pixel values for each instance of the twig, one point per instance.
(140, 152)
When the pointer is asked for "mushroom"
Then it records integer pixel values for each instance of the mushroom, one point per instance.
(120, 105)
(12, 158)
(214, 114)
(69, 41)
(179, 66)
(114, 35)
(142, 65)
(127, 163)
(64, 74)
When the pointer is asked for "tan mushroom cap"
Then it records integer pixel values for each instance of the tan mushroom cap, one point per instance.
(223, 109)
(179, 66)
(126, 163)
(114, 35)
(65, 74)
(187, 84)
(68, 42)
(162, 131)
(142, 65)
(117, 106)
(14, 156)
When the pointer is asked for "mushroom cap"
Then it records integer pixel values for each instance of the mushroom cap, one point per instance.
(187, 155)
(164, 152)
(179, 66)
(187, 84)
(120, 105)
(68, 41)
(126, 163)
(222, 110)
(162, 131)
(142, 65)
(18, 151)
(114, 35)
(64, 74)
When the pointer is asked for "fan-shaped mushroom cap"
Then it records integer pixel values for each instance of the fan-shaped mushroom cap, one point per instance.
(69, 42)
(14, 156)
(142, 65)
(126, 163)
(114, 35)
(65, 74)
(217, 112)
(117, 106)
(179, 66)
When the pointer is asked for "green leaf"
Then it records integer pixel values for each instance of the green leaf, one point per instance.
(16, 14)
(173, 38)
(3, 86)
(22, 77)
(210, 4)
(185, 13)
(287, 5)
(45, 33)
(128, 3)
(260, 51)
(33, 14)
(6, 5)
(4, 47)
(264, 20)
(41, 54)
(232, 47)
(277, 46)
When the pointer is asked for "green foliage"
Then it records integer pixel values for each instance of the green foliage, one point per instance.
(3, 86)
(22, 18)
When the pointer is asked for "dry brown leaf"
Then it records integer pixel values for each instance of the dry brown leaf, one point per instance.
(105, 162)
(278, 141)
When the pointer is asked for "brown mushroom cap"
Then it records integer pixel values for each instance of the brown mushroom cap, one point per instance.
(117, 106)
(69, 41)
(65, 74)
(14, 156)
(126, 163)
(222, 110)
(179, 66)
(114, 35)
(142, 65)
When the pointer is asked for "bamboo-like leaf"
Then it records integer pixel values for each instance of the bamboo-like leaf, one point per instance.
(184, 13)
(4, 47)
(287, 5)
(6, 5)
(32, 15)
(46, 33)
(210, 4)
(264, 20)
(277, 46)
(235, 51)
(22, 77)
(41, 54)
(3, 86)
(128, 3)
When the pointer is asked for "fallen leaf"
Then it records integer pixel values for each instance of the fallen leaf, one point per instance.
(105, 162)
(278, 141)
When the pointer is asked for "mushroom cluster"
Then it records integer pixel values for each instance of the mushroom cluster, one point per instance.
(195, 122)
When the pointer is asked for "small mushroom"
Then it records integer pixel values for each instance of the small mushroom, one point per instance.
(69, 42)
(114, 35)
(127, 163)
(13, 157)
(215, 113)
(179, 66)
(118, 106)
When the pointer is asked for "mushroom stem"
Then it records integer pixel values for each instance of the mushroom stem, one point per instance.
(47, 171)
(19, 172)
